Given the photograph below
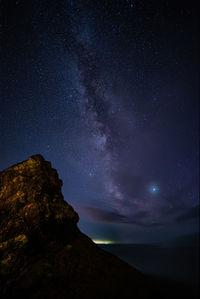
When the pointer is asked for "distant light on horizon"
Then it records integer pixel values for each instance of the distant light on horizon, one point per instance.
(103, 241)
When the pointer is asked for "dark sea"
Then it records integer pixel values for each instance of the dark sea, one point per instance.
(175, 267)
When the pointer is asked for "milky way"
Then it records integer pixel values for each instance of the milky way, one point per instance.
(97, 104)
(108, 93)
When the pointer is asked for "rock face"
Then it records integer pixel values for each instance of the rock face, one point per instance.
(42, 252)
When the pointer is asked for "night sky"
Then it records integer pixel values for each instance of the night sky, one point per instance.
(108, 92)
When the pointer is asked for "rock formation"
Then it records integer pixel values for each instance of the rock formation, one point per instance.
(42, 252)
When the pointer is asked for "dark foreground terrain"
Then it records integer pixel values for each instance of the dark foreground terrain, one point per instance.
(42, 252)
(44, 255)
(173, 268)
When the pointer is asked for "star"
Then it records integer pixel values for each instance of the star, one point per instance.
(154, 189)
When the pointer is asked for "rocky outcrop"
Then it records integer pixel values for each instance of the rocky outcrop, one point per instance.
(42, 252)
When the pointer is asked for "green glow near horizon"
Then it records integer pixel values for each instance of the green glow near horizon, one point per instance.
(103, 241)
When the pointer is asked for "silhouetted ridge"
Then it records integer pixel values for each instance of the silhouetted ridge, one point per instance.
(42, 252)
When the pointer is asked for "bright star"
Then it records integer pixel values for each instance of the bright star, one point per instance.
(154, 189)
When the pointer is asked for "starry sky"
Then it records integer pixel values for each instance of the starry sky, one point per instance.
(108, 92)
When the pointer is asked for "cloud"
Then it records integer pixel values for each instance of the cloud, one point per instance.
(103, 215)
(140, 218)
(190, 214)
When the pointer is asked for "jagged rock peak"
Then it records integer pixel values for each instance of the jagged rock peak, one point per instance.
(31, 198)
(42, 252)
